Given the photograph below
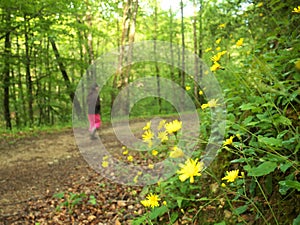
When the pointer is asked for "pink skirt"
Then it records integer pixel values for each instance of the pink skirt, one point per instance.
(95, 121)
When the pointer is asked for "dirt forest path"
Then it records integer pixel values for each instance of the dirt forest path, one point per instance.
(34, 168)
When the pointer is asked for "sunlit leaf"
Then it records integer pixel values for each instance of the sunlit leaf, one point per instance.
(263, 169)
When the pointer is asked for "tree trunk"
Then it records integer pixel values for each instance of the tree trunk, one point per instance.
(89, 20)
(183, 46)
(201, 36)
(156, 63)
(121, 77)
(21, 101)
(28, 74)
(172, 73)
(15, 114)
(196, 63)
(64, 73)
(6, 78)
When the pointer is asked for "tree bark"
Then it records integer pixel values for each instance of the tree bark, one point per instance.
(183, 46)
(6, 77)
(121, 77)
(28, 73)
(196, 63)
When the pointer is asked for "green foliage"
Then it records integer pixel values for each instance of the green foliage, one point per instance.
(259, 80)
(71, 200)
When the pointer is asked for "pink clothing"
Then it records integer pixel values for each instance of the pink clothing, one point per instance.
(95, 121)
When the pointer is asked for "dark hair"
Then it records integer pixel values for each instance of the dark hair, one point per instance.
(94, 86)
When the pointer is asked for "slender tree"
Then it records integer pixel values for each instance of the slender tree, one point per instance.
(29, 83)
(155, 52)
(6, 72)
(182, 73)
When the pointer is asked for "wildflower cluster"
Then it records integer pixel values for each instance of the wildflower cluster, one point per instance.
(216, 59)
(105, 162)
(164, 130)
(125, 152)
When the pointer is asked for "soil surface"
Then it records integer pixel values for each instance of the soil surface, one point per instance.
(34, 168)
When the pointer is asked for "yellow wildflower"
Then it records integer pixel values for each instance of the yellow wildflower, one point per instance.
(216, 66)
(130, 158)
(218, 48)
(187, 88)
(148, 125)
(164, 203)
(154, 152)
(240, 42)
(125, 152)
(104, 164)
(151, 166)
(223, 185)
(152, 200)
(190, 169)
(242, 175)
(231, 176)
(296, 10)
(216, 58)
(210, 104)
(200, 92)
(147, 136)
(218, 41)
(229, 141)
(176, 153)
(135, 179)
(222, 25)
(208, 50)
(146, 203)
(260, 4)
(163, 136)
(173, 127)
(161, 124)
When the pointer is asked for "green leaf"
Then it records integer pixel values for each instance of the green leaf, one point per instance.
(59, 195)
(240, 160)
(240, 209)
(92, 200)
(282, 187)
(174, 217)
(139, 220)
(156, 212)
(283, 120)
(296, 221)
(270, 141)
(221, 223)
(291, 184)
(284, 166)
(179, 202)
(263, 169)
(248, 106)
